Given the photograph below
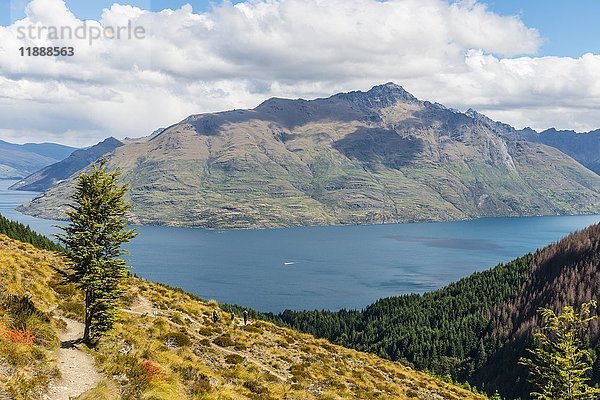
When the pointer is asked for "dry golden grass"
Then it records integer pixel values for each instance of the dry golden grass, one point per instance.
(166, 346)
(28, 335)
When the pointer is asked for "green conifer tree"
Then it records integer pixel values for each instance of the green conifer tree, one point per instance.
(93, 241)
(560, 364)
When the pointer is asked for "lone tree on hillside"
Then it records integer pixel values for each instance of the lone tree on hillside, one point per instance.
(560, 363)
(93, 241)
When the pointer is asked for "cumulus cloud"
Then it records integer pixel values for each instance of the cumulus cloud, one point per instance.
(234, 56)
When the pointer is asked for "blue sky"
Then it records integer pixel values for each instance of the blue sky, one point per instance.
(569, 28)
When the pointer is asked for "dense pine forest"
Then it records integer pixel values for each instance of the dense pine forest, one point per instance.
(23, 233)
(476, 329)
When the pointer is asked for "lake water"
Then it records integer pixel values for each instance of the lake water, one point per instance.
(323, 267)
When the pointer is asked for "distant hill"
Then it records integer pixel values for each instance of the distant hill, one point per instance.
(20, 160)
(477, 328)
(381, 156)
(583, 147)
(166, 346)
(50, 150)
(57, 172)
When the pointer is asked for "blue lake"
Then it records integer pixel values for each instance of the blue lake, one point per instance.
(323, 267)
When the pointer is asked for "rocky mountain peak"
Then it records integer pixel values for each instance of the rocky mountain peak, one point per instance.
(499, 128)
(391, 91)
(380, 96)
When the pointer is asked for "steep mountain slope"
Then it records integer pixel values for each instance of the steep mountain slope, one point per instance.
(583, 147)
(79, 159)
(380, 156)
(166, 346)
(17, 161)
(477, 328)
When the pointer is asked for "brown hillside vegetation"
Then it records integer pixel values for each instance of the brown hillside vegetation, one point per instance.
(564, 273)
(166, 346)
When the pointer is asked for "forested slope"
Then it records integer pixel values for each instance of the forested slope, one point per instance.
(23, 233)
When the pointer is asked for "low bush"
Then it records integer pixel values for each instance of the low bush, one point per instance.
(234, 359)
(20, 336)
(151, 370)
(224, 341)
(177, 339)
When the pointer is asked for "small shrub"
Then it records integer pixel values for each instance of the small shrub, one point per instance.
(177, 319)
(224, 341)
(255, 387)
(205, 330)
(151, 370)
(299, 372)
(178, 339)
(20, 336)
(240, 346)
(73, 309)
(45, 335)
(20, 309)
(201, 385)
(234, 359)
(253, 329)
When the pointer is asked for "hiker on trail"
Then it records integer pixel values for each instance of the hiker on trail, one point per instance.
(232, 316)
(216, 316)
(245, 317)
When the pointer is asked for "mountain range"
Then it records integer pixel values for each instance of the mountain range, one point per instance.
(20, 160)
(381, 156)
(79, 159)
(584, 147)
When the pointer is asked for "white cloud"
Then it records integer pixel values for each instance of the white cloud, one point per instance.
(235, 56)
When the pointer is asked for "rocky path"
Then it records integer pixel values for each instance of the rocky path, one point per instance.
(77, 367)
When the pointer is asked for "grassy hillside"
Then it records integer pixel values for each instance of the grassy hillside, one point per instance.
(28, 332)
(166, 346)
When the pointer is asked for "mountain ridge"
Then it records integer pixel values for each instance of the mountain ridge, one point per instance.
(581, 146)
